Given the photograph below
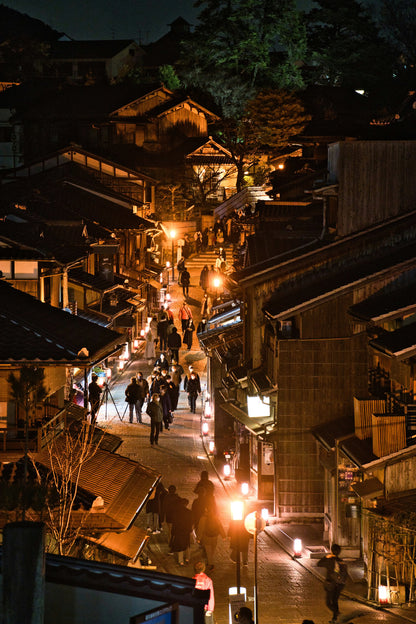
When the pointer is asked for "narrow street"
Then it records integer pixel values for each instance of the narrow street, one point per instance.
(288, 593)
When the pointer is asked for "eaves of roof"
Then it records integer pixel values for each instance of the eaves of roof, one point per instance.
(307, 293)
(400, 343)
(33, 331)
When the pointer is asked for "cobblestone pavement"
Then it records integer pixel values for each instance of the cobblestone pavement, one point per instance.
(287, 591)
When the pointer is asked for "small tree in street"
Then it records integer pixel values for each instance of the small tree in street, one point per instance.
(68, 454)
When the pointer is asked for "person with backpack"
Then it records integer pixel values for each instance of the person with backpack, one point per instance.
(336, 576)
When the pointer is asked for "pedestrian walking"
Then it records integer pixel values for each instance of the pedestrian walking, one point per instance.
(153, 509)
(189, 334)
(185, 281)
(132, 393)
(187, 378)
(209, 529)
(198, 508)
(149, 348)
(173, 393)
(174, 343)
(204, 483)
(244, 616)
(193, 388)
(211, 238)
(143, 393)
(153, 329)
(203, 278)
(185, 313)
(239, 541)
(162, 362)
(336, 576)
(94, 396)
(203, 581)
(170, 502)
(154, 410)
(181, 531)
(166, 408)
(162, 329)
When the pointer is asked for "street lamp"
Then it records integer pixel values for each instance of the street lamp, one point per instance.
(172, 235)
(217, 283)
(237, 515)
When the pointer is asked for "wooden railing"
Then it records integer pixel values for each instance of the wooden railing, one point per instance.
(51, 429)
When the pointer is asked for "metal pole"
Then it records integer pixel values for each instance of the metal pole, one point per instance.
(173, 261)
(238, 559)
(256, 609)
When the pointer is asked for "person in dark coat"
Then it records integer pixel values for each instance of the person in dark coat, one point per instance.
(173, 392)
(193, 388)
(204, 484)
(336, 576)
(162, 362)
(239, 540)
(132, 393)
(166, 407)
(162, 329)
(153, 509)
(143, 392)
(154, 410)
(185, 281)
(203, 278)
(174, 343)
(181, 531)
(170, 503)
(94, 396)
(189, 334)
(198, 507)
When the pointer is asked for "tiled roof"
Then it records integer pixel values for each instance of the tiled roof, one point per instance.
(314, 286)
(63, 243)
(36, 331)
(386, 304)
(400, 343)
(123, 484)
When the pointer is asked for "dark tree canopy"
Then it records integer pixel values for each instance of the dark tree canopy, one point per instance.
(236, 50)
(346, 46)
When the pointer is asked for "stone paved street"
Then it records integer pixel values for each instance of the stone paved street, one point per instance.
(287, 591)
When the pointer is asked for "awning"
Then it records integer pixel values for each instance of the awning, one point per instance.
(257, 426)
(370, 488)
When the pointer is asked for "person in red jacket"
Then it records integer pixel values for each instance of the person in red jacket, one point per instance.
(185, 314)
(203, 581)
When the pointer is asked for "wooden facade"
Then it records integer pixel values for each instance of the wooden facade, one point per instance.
(376, 181)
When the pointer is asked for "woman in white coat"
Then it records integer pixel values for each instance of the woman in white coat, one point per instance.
(149, 350)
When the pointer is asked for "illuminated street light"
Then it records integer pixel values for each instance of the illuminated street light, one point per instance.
(297, 547)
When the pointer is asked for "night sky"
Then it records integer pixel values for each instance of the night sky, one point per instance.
(142, 20)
